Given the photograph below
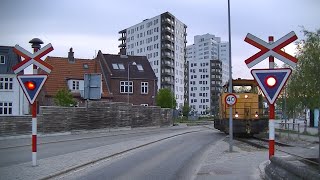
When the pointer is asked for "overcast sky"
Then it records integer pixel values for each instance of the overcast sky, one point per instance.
(92, 25)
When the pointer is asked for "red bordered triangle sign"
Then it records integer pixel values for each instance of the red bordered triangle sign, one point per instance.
(271, 81)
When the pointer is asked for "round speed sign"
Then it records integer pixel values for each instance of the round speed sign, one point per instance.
(231, 99)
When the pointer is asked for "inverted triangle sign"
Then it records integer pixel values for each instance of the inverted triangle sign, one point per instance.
(278, 79)
(36, 81)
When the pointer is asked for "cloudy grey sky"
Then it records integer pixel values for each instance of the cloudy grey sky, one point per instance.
(92, 25)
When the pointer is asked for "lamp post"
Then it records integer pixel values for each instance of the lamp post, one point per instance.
(128, 83)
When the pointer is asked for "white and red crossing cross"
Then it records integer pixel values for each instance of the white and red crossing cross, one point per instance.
(271, 49)
(32, 58)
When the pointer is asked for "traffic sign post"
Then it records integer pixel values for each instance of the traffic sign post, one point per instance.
(32, 84)
(271, 80)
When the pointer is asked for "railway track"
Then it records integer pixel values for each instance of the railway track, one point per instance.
(263, 144)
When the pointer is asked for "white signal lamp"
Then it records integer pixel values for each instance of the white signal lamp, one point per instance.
(236, 115)
(256, 115)
(271, 81)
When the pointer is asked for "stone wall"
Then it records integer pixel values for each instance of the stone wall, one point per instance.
(97, 115)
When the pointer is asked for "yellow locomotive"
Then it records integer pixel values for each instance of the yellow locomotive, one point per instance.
(248, 112)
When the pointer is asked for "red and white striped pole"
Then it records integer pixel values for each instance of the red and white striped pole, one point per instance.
(271, 111)
(36, 45)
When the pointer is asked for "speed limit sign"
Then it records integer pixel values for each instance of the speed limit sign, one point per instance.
(231, 99)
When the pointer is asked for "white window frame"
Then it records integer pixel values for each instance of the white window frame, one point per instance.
(2, 59)
(6, 83)
(124, 87)
(5, 107)
(144, 104)
(144, 87)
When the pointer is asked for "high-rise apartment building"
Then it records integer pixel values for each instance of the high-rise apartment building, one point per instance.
(208, 71)
(163, 40)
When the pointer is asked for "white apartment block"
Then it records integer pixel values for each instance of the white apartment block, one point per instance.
(208, 71)
(163, 40)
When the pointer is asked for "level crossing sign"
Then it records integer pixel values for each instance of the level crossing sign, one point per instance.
(271, 49)
(30, 58)
(271, 81)
(31, 85)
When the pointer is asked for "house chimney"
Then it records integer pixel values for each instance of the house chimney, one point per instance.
(71, 56)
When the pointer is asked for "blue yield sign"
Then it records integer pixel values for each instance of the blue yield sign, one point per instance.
(271, 81)
(31, 85)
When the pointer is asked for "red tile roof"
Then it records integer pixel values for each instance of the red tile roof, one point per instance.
(64, 70)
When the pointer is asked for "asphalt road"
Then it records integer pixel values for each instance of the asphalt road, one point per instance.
(69, 144)
(174, 158)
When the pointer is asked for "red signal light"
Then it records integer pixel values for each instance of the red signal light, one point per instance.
(30, 85)
(271, 81)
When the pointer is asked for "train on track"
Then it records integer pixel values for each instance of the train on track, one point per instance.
(249, 115)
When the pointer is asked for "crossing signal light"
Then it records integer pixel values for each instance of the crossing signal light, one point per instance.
(271, 81)
(30, 85)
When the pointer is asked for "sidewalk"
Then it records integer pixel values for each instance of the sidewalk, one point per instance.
(241, 164)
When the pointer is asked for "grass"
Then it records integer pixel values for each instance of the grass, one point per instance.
(185, 120)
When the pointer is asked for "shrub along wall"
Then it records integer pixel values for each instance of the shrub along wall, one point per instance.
(97, 115)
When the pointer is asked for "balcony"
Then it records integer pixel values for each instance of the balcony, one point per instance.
(122, 38)
(167, 55)
(167, 46)
(167, 74)
(167, 21)
(167, 63)
(167, 30)
(167, 38)
(123, 45)
(167, 82)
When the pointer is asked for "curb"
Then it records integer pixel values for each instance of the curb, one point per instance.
(262, 167)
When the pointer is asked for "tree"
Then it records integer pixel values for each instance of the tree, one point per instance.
(64, 98)
(186, 109)
(165, 99)
(304, 86)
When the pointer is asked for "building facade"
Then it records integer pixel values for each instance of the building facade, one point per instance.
(162, 39)
(12, 99)
(208, 71)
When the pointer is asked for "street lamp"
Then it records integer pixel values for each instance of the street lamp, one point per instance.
(129, 63)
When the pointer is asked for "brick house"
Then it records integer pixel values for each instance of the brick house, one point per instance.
(12, 99)
(69, 73)
(118, 70)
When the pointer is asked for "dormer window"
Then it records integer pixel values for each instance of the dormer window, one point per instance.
(2, 59)
(139, 66)
(117, 66)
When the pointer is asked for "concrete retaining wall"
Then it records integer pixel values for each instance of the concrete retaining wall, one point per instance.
(289, 168)
(97, 115)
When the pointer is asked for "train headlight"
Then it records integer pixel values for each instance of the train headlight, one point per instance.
(256, 115)
(246, 96)
(236, 115)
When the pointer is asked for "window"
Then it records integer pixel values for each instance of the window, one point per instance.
(139, 66)
(144, 87)
(75, 85)
(5, 108)
(117, 66)
(144, 105)
(6, 83)
(2, 59)
(126, 87)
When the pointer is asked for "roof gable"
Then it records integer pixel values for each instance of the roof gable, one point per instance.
(11, 59)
